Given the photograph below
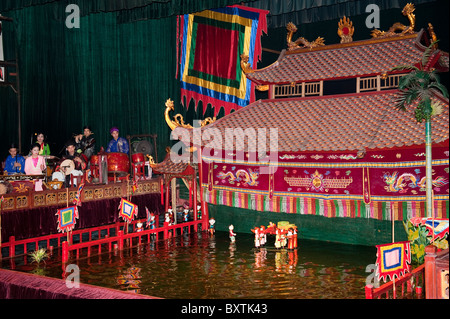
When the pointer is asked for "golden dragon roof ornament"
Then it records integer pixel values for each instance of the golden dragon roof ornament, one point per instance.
(396, 27)
(345, 30)
(300, 42)
(178, 120)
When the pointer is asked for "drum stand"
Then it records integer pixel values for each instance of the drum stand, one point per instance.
(103, 169)
(139, 169)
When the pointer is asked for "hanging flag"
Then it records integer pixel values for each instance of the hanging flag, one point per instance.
(438, 226)
(2, 58)
(393, 260)
(127, 210)
(67, 218)
(77, 199)
(212, 42)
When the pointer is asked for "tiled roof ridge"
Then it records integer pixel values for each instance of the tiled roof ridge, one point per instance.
(297, 66)
(338, 46)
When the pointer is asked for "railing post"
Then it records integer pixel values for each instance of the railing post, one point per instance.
(166, 232)
(369, 291)
(430, 272)
(120, 239)
(65, 251)
(12, 247)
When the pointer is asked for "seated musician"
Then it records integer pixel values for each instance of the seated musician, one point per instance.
(15, 163)
(79, 161)
(44, 148)
(85, 142)
(117, 144)
(35, 164)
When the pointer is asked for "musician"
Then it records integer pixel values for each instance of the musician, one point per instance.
(44, 148)
(117, 144)
(79, 160)
(35, 164)
(15, 163)
(85, 143)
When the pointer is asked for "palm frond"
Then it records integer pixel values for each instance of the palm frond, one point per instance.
(427, 53)
(407, 80)
(404, 67)
(440, 88)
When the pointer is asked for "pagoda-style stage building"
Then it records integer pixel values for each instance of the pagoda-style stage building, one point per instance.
(328, 151)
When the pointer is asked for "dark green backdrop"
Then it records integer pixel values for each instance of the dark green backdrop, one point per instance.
(118, 70)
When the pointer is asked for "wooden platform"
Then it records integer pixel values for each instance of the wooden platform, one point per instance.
(32, 199)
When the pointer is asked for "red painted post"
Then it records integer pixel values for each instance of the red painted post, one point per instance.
(65, 251)
(195, 196)
(369, 291)
(12, 248)
(120, 239)
(166, 232)
(430, 272)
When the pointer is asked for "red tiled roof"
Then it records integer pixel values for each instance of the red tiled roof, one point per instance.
(173, 165)
(359, 58)
(335, 123)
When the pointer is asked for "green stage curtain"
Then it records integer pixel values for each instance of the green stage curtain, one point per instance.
(103, 74)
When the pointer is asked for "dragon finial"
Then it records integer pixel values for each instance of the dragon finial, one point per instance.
(300, 42)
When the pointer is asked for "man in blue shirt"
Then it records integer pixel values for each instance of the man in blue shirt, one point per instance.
(117, 144)
(15, 163)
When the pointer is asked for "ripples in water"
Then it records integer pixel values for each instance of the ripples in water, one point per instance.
(199, 266)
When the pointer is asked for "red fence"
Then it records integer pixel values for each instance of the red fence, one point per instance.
(12, 243)
(121, 238)
(384, 291)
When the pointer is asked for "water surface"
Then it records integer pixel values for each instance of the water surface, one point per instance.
(200, 266)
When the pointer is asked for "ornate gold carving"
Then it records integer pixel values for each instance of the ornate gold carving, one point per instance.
(50, 199)
(178, 120)
(262, 88)
(345, 30)
(108, 192)
(150, 159)
(300, 42)
(88, 194)
(39, 200)
(21, 201)
(98, 193)
(117, 191)
(245, 66)
(396, 27)
(8, 203)
(62, 197)
(432, 35)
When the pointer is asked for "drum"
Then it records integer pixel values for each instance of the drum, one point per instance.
(137, 158)
(67, 166)
(118, 164)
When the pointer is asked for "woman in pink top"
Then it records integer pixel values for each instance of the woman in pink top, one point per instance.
(35, 164)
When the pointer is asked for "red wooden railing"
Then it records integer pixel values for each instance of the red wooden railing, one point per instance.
(386, 290)
(13, 243)
(121, 238)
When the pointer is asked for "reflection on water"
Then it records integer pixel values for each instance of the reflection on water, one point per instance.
(199, 266)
